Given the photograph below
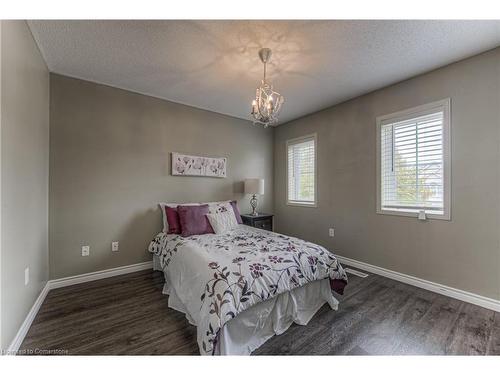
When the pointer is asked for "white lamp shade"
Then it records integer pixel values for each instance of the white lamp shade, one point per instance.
(254, 186)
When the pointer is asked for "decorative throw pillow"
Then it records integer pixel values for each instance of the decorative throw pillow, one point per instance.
(174, 225)
(236, 210)
(193, 220)
(163, 210)
(218, 207)
(225, 206)
(222, 221)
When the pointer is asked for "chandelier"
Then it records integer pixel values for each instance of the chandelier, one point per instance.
(267, 103)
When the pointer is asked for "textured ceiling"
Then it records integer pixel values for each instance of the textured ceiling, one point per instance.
(214, 64)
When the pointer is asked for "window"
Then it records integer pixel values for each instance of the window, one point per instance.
(301, 171)
(413, 161)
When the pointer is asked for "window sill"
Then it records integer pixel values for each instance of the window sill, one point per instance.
(300, 204)
(429, 216)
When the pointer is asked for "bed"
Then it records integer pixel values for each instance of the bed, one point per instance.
(243, 286)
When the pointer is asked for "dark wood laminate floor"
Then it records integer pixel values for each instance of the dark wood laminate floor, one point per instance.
(129, 315)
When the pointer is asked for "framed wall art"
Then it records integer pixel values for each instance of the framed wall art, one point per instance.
(190, 165)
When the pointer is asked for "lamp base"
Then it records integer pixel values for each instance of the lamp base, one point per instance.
(253, 203)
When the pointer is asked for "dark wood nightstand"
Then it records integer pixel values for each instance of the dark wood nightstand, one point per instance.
(262, 221)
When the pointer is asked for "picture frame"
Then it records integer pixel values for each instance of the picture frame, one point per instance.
(202, 166)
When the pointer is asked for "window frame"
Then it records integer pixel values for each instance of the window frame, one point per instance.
(294, 141)
(445, 106)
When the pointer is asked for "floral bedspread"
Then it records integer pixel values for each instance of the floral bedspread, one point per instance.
(218, 276)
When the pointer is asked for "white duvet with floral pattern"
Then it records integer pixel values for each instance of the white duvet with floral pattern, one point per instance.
(217, 276)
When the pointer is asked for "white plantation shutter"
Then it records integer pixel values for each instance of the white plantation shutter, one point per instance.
(413, 159)
(301, 170)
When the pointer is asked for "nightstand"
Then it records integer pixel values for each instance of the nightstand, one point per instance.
(262, 221)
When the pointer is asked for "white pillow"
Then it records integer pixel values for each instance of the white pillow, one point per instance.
(172, 205)
(222, 221)
(218, 207)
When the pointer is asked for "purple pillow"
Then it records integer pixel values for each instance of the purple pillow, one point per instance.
(174, 225)
(236, 212)
(193, 220)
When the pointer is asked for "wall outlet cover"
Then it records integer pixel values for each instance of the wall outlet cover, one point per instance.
(331, 232)
(115, 246)
(26, 276)
(85, 251)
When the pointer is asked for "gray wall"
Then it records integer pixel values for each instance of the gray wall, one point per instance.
(110, 166)
(24, 174)
(462, 253)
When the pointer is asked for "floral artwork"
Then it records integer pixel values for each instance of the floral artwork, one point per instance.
(189, 165)
(239, 269)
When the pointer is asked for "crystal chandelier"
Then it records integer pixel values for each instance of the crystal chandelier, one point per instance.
(267, 103)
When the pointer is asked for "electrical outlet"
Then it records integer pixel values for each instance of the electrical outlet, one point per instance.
(331, 232)
(85, 251)
(114, 246)
(26, 276)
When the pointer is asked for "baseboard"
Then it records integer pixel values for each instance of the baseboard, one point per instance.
(23, 330)
(92, 276)
(462, 295)
(67, 281)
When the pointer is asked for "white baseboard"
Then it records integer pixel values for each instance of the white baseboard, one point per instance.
(462, 295)
(92, 276)
(23, 330)
(67, 281)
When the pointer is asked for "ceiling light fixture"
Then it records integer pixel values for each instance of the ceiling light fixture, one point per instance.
(267, 104)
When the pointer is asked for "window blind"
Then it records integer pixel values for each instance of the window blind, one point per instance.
(412, 164)
(301, 171)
